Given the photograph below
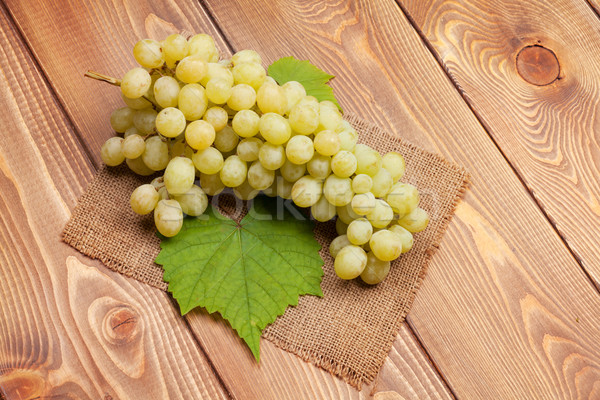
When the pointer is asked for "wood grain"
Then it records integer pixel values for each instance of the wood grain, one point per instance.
(69, 329)
(547, 128)
(280, 374)
(505, 311)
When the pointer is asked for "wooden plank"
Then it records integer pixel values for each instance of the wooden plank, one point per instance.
(505, 311)
(412, 375)
(69, 329)
(530, 73)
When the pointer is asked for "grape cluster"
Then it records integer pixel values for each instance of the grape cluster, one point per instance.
(226, 122)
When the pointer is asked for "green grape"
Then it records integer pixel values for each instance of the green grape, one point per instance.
(179, 175)
(208, 161)
(163, 194)
(148, 53)
(245, 191)
(270, 97)
(319, 166)
(133, 146)
(394, 163)
(341, 227)
(168, 217)
(403, 198)
(245, 123)
(322, 210)
(293, 91)
(299, 149)
(166, 91)
(211, 184)
(369, 160)
(193, 102)
(199, 134)
(337, 244)
(135, 83)
(343, 164)
(271, 156)
(144, 121)
(310, 101)
(111, 151)
(170, 122)
(259, 177)
(175, 47)
(252, 74)
(363, 203)
(329, 105)
(329, 118)
(193, 202)
(136, 104)
(138, 166)
(338, 191)
(156, 155)
(247, 150)
(203, 46)
(158, 182)
(386, 245)
(327, 143)
(415, 221)
(350, 262)
(121, 119)
(191, 69)
(217, 71)
(304, 118)
(217, 117)
(307, 191)
(359, 231)
(243, 97)
(382, 183)
(143, 199)
(218, 90)
(226, 140)
(292, 172)
(375, 271)
(346, 214)
(284, 189)
(274, 128)
(381, 215)
(234, 172)
(348, 139)
(405, 235)
(271, 191)
(246, 56)
(131, 131)
(362, 183)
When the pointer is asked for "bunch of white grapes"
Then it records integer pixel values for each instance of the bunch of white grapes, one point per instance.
(230, 125)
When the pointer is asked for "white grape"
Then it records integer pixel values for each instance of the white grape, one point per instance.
(369, 160)
(144, 199)
(218, 90)
(111, 151)
(271, 156)
(148, 53)
(394, 163)
(299, 149)
(175, 47)
(270, 97)
(156, 154)
(203, 46)
(245, 191)
(348, 139)
(403, 198)
(337, 244)
(199, 134)
(359, 231)
(375, 271)
(307, 191)
(243, 97)
(304, 118)
(217, 117)
(293, 92)
(284, 189)
(245, 123)
(191, 69)
(415, 221)
(208, 161)
(168, 217)
(211, 184)
(226, 140)
(248, 149)
(144, 121)
(362, 183)
(346, 214)
(192, 102)
(340, 227)
(327, 143)
(259, 177)
(319, 166)
(136, 104)
(382, 183)
(234, 172)
(386, 245)
(133, 146)
(250, 73)
(179, 175)
(138, 166)
(246, 56)
(338, 191)
(135, 83)
(292, 172)
(329, 117)
(343, 164)
(193, 202)
(381, 215)
(405, 236)
(363, 203)
(323, 210)
(274, 128)
(350, 262)
(170, 122)
(166, 91)
(121, 119)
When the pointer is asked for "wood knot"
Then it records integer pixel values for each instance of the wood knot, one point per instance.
(22, 384)
(121, 325)
(538, 65)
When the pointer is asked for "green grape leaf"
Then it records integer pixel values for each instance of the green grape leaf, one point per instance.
(311, 77)
(248, 272)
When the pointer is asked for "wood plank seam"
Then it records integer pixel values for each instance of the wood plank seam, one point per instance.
(487, 130)
(208, 11)
(55, 97)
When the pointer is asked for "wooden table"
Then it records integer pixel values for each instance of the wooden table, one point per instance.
(509, 89)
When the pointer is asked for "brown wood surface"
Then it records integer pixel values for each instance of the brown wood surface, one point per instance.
(543, 109)
(280, 374)
(506, 311)
(70, 328)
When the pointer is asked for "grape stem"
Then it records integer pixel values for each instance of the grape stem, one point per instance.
(113, 81)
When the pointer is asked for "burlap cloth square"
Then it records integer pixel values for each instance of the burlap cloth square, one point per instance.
(349, 331)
